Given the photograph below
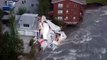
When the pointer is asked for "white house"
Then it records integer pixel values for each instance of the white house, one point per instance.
(28, 24)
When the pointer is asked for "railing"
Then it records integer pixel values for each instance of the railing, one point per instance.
(28, 32)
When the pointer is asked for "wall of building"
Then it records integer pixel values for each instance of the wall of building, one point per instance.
(74, 11)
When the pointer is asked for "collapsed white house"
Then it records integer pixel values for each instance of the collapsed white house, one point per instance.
(28, 25)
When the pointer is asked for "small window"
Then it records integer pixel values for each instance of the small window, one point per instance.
(26, 25)
(32, 5)
(67, 11)
(60, 5)
(60, 11)
(66, 17)
(80, 13)
(75, 5)
(59, 17)
(67, 6)
(74, 18)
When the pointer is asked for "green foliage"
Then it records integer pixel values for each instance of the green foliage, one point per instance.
(43, 7)
(31, 42)
(21, 10)
(1, 13)
(1, 36)
(10, 48)
(12, 25)
(35, 49)
(10, 44)
(58, 22)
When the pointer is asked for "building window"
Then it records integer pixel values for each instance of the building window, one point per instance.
(66, 18)
(67, 11)
(75, 13)
(60, 11)
(75, 6)
(74, 18)
(26, 25)
(59, 17)
(60, 5)
(32, 5)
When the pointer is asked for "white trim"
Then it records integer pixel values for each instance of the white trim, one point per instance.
(60, 5)
(60, 11)
(60, 18)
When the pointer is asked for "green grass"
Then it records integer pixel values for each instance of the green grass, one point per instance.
(98, 1)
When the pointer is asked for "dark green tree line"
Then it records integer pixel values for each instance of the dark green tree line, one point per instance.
(10, 44)
(43, 7)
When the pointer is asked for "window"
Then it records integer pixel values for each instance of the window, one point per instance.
(59, 17)
(75, 5)
(75, 13)
(60, 5)
(60, 11)
(26, 25)
(66, 18)
(67, 11)
(67, 6)
(32, 5)
(74, 18)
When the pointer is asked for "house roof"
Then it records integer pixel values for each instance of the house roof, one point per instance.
(77, 1)
(28, 18)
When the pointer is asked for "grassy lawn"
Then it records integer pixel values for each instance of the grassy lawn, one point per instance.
(98, 1)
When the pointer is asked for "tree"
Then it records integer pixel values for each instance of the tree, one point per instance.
(21, 10)
(11, 46)
(1, 38)
(1, 13)
(43, 7)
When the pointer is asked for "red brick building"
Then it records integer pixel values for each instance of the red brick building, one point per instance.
(70, 11)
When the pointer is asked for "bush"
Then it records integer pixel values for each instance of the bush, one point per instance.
(1, 13)
(58, 22)
(31, 42)
(22, 10)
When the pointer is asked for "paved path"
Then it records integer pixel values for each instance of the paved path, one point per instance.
(85, 42)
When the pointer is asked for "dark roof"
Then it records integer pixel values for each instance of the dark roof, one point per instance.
(77, 1)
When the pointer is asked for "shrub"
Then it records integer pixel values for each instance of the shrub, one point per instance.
(31, 42)
(1, 13)
(21, 10)
(58, 22)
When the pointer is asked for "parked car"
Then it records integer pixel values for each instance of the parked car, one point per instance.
(10, 5)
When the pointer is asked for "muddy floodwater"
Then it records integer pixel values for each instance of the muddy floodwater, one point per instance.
(87, 41)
